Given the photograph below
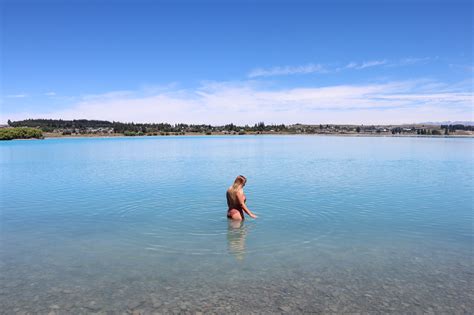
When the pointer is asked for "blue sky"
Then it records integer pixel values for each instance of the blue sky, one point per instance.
(238, 61)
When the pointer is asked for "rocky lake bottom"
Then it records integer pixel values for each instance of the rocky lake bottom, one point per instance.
(357, 280)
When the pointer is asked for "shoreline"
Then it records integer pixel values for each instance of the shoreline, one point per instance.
(365, 135)
(49, 136)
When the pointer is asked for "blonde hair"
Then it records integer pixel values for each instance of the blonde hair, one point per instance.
(239, 182)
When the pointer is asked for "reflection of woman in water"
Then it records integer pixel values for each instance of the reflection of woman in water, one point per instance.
(236, 234)
(236, 200)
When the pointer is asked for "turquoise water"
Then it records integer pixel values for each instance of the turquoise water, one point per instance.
(346, 224)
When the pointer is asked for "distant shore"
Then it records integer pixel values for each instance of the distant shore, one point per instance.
(195, 134)
(82, 128)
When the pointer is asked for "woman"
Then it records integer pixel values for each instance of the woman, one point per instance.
(236, 200)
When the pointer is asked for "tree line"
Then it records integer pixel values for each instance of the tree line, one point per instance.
(84, 126)
(49, 125)
(452, 128)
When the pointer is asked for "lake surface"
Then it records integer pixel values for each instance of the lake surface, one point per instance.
(345, 224)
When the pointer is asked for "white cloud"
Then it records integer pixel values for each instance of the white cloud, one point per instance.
(320, 68)
(50, 94)
(366, 64)
(412, 61)
(249, 102)
(17, 96)
(311, 68)
(466, 68)
(286, 70)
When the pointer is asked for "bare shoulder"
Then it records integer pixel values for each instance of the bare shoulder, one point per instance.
(240, 193)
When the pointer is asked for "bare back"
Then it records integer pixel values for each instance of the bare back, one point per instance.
(232, 199)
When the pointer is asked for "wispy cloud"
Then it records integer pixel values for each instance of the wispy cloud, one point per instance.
(286, 70)
(320, 68)
(366, 64)
(17, 95)
(390, 63)
(464, 68)
(50, 94)
(248, 102)
(412, 61)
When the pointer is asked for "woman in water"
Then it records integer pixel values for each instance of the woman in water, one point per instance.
(236, 200)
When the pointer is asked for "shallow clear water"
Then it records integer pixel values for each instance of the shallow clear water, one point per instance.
(346, 224)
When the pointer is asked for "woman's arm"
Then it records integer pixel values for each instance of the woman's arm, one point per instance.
(240, 197)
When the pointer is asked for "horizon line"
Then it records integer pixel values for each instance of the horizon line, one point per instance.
(463, 122)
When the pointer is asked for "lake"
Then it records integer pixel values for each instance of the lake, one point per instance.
(345, 224)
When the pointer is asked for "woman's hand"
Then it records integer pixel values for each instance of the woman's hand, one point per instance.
(253, 216)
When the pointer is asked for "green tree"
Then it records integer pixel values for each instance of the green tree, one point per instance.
(260, 126)
(20, 133)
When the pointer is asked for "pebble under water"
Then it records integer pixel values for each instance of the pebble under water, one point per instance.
(138, 225)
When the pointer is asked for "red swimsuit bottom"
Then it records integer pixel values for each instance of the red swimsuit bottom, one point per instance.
(230, 212)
